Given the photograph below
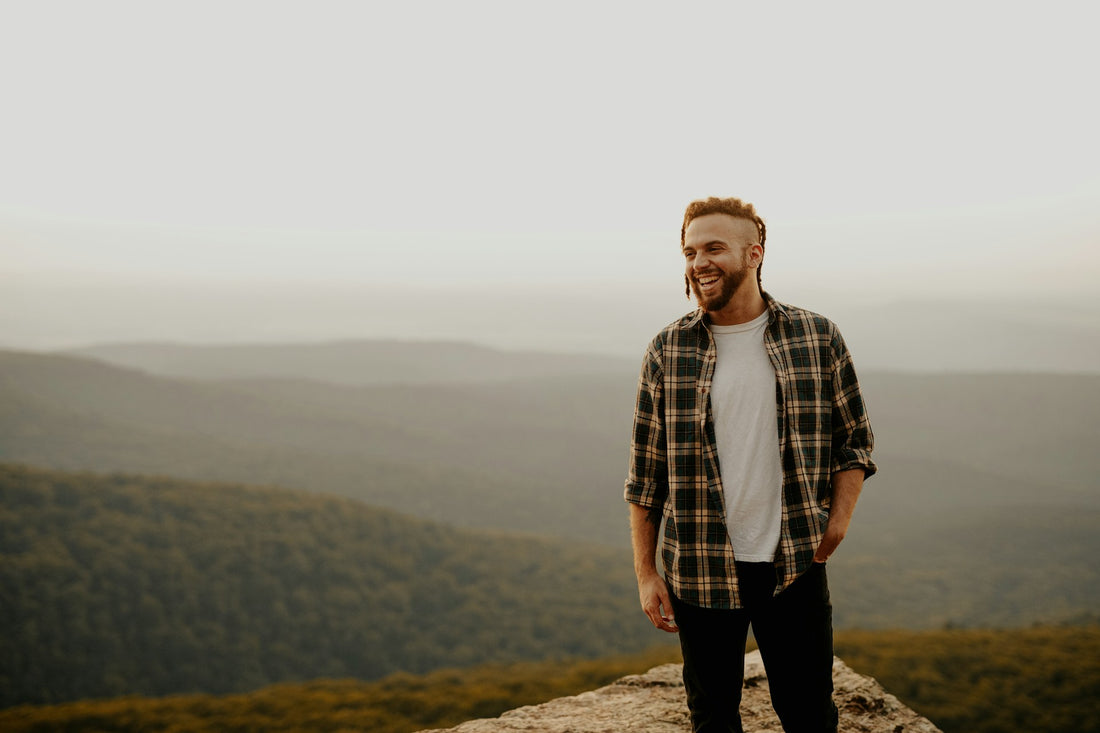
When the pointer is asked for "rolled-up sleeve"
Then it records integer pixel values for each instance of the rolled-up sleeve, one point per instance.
(852, 439)
(647, 474)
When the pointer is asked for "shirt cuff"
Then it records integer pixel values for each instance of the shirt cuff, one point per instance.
(855, 458)
(645, 494)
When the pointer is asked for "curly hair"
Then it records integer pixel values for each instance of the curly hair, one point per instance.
(732, 206)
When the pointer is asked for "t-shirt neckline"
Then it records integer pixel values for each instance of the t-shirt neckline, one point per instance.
(742, 327)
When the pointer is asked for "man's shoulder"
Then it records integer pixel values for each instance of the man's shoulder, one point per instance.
(679, 338)
(686, 325)
(792, 317)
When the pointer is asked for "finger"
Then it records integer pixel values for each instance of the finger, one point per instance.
(825, 549)
(655, 612)
(668, 617)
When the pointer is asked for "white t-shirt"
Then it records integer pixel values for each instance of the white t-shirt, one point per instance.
(743, 403)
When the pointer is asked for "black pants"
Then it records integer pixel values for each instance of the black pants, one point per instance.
(794, 632)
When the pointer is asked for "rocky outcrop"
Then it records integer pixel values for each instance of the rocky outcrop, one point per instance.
(654, 702)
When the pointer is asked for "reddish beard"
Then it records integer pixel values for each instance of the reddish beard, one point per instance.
(729, 282)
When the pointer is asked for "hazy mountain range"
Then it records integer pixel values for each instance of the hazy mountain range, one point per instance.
(986, 482)
(353, 363)
(965, 332)
(1021, 335)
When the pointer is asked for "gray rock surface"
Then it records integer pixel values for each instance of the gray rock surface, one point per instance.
(654, 702)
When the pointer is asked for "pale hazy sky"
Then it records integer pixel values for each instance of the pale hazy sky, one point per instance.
(912, 150)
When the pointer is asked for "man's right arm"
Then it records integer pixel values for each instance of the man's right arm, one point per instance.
(652, 590)
(647, 490)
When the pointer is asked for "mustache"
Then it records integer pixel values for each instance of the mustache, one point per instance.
(687, 282)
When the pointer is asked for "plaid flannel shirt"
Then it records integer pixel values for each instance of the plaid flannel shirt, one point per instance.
(822, 425)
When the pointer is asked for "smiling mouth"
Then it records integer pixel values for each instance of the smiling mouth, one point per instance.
(707, 280)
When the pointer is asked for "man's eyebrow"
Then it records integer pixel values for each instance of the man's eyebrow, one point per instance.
(705, 244)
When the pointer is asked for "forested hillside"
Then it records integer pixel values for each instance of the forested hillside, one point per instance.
(1042, 680)
(119, 585)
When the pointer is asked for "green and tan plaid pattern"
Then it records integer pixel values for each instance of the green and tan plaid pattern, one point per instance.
(823, 429)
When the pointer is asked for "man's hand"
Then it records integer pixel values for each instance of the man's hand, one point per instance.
(653, 593)
(846, 488)
(834, 534)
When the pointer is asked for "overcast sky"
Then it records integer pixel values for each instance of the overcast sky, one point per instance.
(925, 150)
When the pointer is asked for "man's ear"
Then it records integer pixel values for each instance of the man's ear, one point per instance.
(756, 254)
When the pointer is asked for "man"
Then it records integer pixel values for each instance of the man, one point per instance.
(751, 444)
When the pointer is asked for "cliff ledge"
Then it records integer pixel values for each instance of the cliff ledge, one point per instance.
(654, 702)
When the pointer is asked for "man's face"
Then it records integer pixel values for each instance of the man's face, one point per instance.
(719, 255)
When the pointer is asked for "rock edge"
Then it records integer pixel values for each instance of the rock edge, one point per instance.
(654, 702)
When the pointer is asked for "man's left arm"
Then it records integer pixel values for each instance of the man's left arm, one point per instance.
(846, 488)
(852, 442)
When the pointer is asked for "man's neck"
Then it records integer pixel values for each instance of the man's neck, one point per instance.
(745, 305)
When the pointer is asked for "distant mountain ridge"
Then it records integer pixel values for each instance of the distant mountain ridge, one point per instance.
(933, 331)
(577, 411)
(432, 450)
(978, 335)
(354, 363)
